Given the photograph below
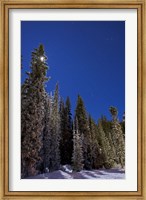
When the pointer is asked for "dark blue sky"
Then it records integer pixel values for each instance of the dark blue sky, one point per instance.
(85, 57)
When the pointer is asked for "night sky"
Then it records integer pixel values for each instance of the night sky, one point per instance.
(84, 57)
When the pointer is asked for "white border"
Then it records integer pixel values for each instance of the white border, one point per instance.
(130, 18)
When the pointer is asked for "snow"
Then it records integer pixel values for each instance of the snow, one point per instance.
(106, 175)
(101, 174)
(114, 173)
(66, 168)
(83, 173)
(67, 176)
(46, 170)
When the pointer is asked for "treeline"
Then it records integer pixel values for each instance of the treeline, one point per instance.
(51, 136)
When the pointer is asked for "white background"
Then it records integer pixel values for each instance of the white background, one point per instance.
(15, 18)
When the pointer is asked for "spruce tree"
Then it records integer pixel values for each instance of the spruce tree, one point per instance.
(47, 140)
(81, 116)
(54, 129)
(66, 140)
(32, 113)
(107, 159)
(69, 144)
(117, 136)
(95, 148)
(107, 128)
(62, 130)
(77, 158)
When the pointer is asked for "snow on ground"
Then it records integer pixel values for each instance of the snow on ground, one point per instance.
(67, 168)
(84, 174)
(66, 175)
(103, 174)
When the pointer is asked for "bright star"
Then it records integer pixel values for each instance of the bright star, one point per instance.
(42, 58)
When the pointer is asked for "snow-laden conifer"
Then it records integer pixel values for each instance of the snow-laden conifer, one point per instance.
(94, 146)
(77, 158)
(54, 131)
(106, 149)
(32, 113)
(47, 140)
(83, 126)
(117, 137)
(66, 142)
(107, 128)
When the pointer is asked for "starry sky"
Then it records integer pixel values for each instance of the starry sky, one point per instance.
(84, 57)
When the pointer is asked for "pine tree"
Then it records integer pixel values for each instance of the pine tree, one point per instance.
(47, 140)
(66, 140)
(106, 150)
(117, 136)
(54, 129)
(107, 128)
(81, 116)
(62, 131)
(32, 113)
(95, 148)
(77, 158)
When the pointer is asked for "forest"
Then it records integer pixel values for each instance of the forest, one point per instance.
(52, 137)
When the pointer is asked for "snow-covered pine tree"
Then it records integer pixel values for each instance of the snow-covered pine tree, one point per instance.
(66, 140)
(117, 137)
(69, 122)
(81, 116)
(95, 148)
(106, 150)
(47, 140)
(32, 113)
(107, 126)
(77, 158)
(62, 130)
(54, 129)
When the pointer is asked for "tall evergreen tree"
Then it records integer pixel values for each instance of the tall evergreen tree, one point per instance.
(107, 128)
(66, 140)
(54, 128)
(117, 136)
(105, 147)
(32, 113)
(62, 130)
(77, 158)
(81, 115)
(95, 148)
(47, 140)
